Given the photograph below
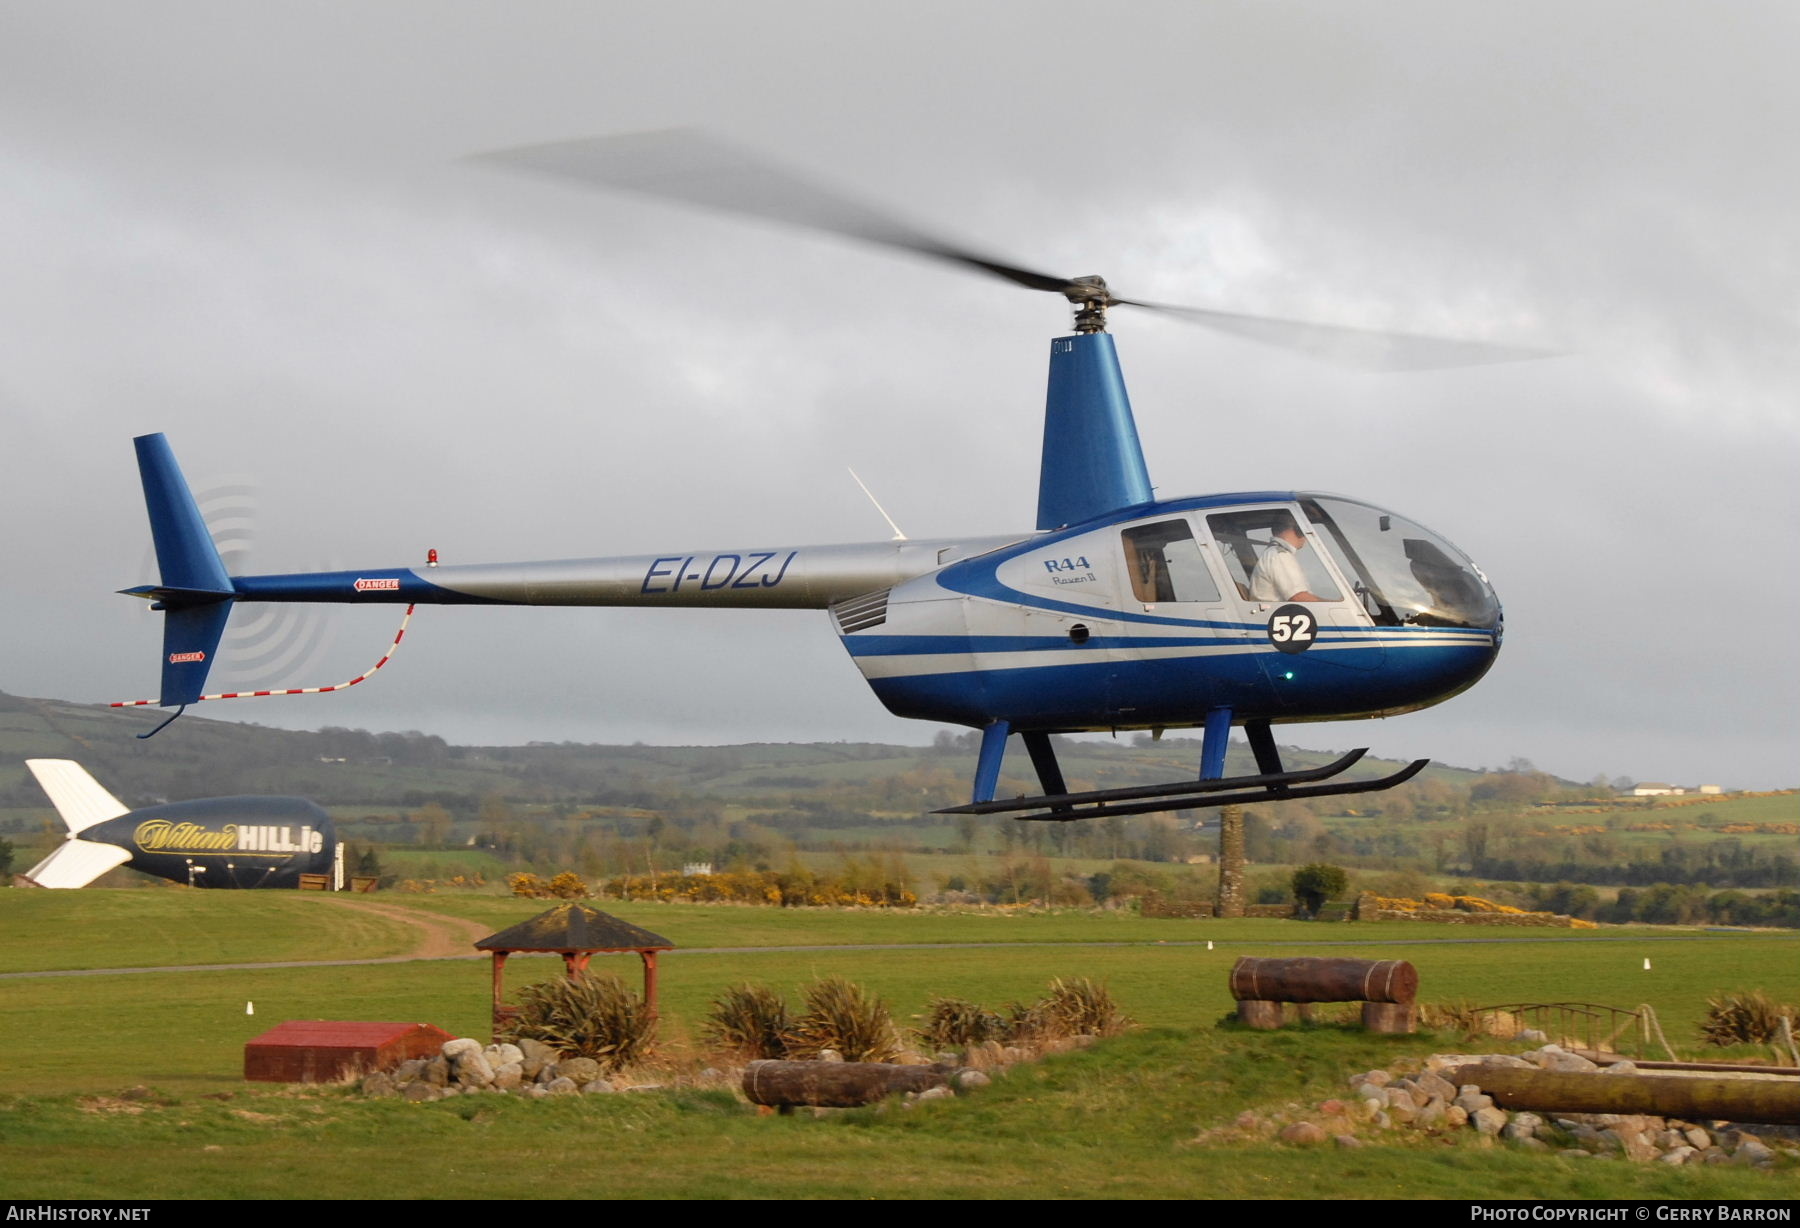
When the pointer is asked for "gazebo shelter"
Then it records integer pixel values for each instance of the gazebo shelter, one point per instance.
(577, 932)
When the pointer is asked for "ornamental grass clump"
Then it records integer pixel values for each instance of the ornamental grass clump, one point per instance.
(750, 1021)
(1079, 1007)
(1752, 1018)
(844, 1017)
(957, 1023)
(585, 1016)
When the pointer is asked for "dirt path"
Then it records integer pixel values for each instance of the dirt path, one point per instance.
(439, 937)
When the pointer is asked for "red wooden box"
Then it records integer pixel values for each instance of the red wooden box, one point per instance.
(326, 1050)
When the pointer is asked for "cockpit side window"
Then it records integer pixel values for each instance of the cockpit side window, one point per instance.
(1165, 564)
(1245, 538)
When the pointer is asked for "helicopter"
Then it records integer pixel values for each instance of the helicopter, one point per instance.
(1119, 611)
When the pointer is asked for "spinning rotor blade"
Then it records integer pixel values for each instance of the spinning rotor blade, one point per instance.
(1365, 349)
(686, 165)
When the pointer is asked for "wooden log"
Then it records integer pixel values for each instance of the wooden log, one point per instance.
(1263, 1016)
(1606, 1059)
(1323, 980)
(836, 1085)
(1691, 1097)
(1390, 1018)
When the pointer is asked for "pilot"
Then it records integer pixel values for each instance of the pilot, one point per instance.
(1278, 576)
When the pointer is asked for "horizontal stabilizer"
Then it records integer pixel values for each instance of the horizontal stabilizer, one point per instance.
(76, 864)
(77, 796)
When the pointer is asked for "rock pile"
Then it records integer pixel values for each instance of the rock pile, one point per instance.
(464, 1067)
(1388, 1103)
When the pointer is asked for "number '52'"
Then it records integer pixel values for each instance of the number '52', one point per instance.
(1285, 627)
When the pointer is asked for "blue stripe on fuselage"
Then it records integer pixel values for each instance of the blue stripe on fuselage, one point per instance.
(927, 645)
(1179, 691)
(377, 585)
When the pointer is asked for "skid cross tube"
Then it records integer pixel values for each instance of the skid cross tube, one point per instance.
(1193, 794)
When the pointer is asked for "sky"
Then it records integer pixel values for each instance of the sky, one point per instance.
(251, 227)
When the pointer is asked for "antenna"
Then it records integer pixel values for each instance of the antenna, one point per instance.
(898, 535)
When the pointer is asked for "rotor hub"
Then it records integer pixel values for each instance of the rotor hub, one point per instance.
(1091, 299)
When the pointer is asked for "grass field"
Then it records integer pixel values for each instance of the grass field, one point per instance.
(1114, 1121)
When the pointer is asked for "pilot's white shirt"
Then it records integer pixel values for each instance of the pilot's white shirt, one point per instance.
(1278, 575)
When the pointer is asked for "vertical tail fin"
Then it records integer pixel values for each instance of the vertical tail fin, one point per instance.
(194, 590)
(80, 799)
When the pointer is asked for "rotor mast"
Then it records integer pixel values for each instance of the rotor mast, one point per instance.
(1091, 298)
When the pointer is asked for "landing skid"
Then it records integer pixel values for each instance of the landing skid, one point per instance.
(1276, 786)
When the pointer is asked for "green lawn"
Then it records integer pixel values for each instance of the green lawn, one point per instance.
(152, 927)
(1114, 1122)
(1111, 1122)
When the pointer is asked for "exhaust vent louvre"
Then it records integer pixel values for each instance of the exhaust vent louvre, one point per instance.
(860, 613)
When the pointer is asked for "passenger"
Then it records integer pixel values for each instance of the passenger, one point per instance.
(1278, 576)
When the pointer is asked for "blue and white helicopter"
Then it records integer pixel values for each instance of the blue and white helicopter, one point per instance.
(1120, 611)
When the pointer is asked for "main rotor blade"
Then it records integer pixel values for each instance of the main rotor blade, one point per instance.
(1365, 349)
(686, 165)
(695, 168)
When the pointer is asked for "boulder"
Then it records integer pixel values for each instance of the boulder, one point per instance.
(471, 1069)
(1489, 1121)
(1436, 1085)
(501, 1054)
(1522, 1126)
(1753, 1151)
(1472, 1102)
(580, 1069)
(1303, 1134)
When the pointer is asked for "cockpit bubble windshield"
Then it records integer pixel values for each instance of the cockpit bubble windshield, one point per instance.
(1404, 573)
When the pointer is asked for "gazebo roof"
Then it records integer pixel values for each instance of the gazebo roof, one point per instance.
(574, 927)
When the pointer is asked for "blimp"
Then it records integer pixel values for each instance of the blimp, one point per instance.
(213, 842)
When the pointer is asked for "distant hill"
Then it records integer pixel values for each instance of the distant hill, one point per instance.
(201, 757)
